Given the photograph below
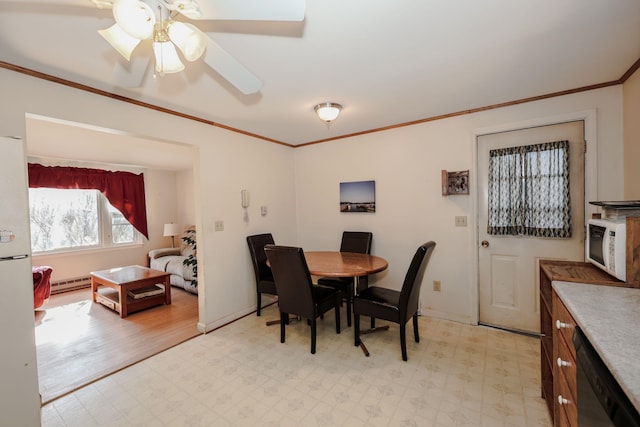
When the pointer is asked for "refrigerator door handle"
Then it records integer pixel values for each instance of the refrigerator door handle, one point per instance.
(12, 258)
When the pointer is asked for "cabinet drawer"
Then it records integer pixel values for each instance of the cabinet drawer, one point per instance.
(564, 324)
(565, 366)
(566, 408)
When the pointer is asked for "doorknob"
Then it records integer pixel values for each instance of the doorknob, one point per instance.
(485, 244)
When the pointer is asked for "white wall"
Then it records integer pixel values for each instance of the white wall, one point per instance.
(266, 171)
(631, 91)
(300, 186)
(226, 162)
(185, 198)
(406, 164)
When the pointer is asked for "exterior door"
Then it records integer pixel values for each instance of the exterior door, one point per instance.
(509, 265)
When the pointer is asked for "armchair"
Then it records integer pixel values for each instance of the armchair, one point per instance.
(178, 262)
(41, 285)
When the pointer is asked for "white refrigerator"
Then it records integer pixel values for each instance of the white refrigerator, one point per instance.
(19, 394)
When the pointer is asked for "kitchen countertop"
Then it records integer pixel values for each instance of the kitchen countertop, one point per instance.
(609, 317)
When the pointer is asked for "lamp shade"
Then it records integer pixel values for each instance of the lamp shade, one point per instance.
(135, 17)
(328, 111)
(120, 40)
(171, 230)
(188, 38)
(167, 60)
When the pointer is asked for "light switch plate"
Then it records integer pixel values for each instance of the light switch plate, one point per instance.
(461, 221)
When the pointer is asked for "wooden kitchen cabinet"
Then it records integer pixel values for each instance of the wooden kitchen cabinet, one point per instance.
(564, 365)
(555, 342)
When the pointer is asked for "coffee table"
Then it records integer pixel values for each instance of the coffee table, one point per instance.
(121, 280)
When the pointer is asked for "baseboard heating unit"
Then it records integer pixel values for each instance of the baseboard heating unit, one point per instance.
(70, 284)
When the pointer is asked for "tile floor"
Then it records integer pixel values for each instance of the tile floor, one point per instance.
(241, 375)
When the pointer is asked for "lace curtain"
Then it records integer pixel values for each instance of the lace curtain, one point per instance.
(124, 190)
(529, 190)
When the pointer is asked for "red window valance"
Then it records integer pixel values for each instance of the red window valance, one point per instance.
(124, 190)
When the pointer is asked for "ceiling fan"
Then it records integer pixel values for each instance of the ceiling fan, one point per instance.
(162, 22)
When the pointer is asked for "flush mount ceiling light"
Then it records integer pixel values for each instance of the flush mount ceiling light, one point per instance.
(328, 111)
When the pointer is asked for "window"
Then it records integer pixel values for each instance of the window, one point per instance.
(71, 219)
(529, 190)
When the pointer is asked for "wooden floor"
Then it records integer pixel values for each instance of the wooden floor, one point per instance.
(79, 341)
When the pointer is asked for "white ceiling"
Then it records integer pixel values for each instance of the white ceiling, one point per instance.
(388, 62)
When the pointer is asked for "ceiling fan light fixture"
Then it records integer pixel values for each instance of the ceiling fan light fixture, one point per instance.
(188, 8)
(122, 42)
(135, 17)
(103, 4)
(167, 60)
(328, 111)
(187, 38)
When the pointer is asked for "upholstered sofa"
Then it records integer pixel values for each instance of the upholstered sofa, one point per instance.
(172, 260)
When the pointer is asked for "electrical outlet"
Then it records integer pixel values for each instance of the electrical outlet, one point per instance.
(461, 221)
(219, 225)
(436, 285)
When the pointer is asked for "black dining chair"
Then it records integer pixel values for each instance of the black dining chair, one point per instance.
(391, 305)
(352, 241)
(296, 293)
(263, 275)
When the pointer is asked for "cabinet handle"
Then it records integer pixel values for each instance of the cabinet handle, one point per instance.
(563, 363)
(562, 400)
(561, 325)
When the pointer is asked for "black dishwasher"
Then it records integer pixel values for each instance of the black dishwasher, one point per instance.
(601, 400)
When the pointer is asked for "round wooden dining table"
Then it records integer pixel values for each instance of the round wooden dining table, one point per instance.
(344, 264)
(347, 264)
(341, 264)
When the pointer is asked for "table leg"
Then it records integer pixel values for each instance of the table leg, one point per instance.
(94, 288)
(356, 285)
(376, 329)
(277, 322)
(167, 290)
(364, 349)
(368, 331)
(122, 295)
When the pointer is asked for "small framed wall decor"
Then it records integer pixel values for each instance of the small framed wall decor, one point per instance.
(455, 182)
(359, 196)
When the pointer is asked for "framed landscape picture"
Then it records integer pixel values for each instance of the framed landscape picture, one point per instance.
(358, 196)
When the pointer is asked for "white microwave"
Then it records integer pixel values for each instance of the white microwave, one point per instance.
(607, 245)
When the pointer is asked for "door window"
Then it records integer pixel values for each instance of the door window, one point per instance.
(529, 190)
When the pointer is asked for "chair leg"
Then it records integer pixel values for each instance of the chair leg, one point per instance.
(416, 335)
(313, 336)
(373, 323)
(356, 329)
(403, 340)
(337, 309)
(259, 304)
(284, 317)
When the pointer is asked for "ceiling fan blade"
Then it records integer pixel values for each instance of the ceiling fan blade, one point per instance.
(253, 10)
(228, 67)
(83, 3)
(130, 74)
